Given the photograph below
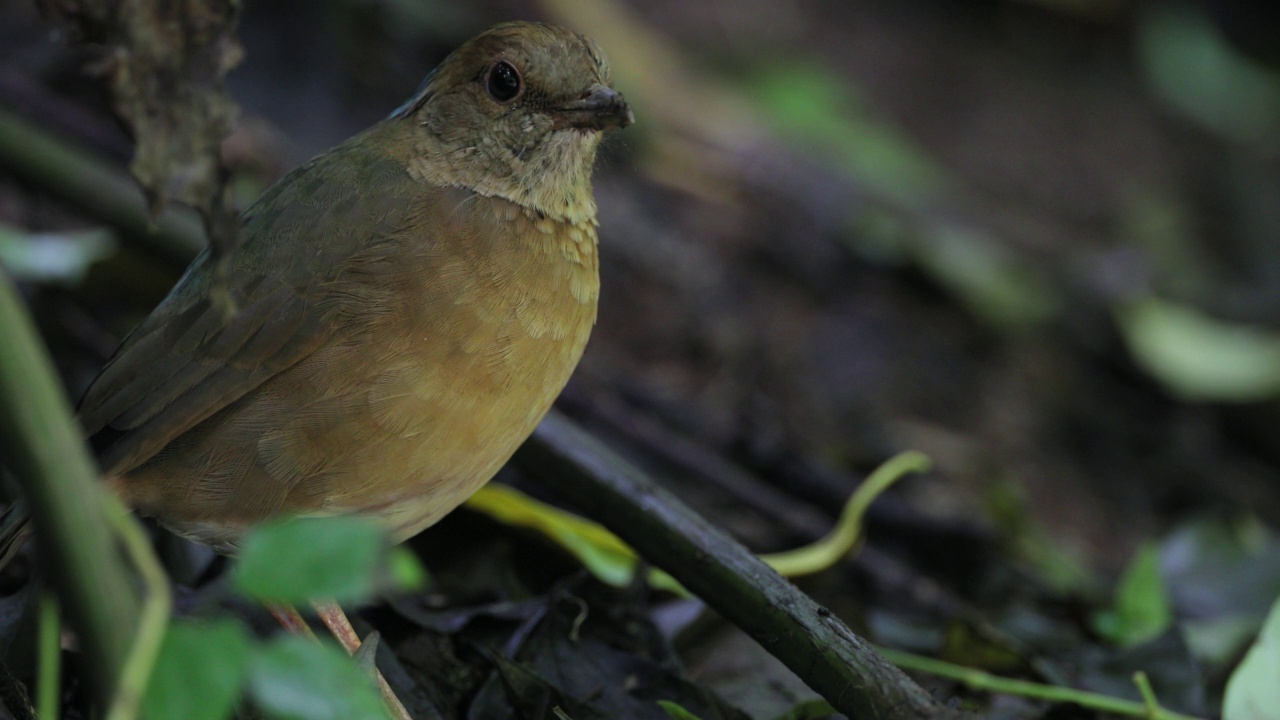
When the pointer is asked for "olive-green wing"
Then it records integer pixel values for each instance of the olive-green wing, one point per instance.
(191, 357)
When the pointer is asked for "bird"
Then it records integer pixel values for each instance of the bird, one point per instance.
(397, 317)
(407, 306)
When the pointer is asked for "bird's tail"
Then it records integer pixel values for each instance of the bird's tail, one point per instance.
(15, 526)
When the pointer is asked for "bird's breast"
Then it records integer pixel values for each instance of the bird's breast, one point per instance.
(483, 350)
(492, 322)
(463, 326)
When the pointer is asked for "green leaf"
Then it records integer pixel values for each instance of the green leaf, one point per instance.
(303, 559)
(296, 678)
(1198, 357)
(676, 711)
(1197, 71)
(406, 572)
(1253, 692)
(199, 671)
(608, 558)
(1142, 610)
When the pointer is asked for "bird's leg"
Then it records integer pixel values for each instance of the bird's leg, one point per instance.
(331, 614)
(290, 619)
(333, 618)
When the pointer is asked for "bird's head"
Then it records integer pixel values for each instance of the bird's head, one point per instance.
(518, 112)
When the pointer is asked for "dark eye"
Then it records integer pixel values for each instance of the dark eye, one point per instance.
(503, 82)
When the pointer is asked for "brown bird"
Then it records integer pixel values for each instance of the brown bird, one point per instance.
(407, 307)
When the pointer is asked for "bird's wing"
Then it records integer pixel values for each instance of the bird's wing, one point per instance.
(191, 357)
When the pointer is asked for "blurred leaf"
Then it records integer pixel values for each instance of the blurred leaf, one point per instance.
(1216, 568)
(1142, 610)
(994, 285)
(1222, 577)
(1058, 565)
(296, 678)
(1253, 691)
(676, 712)
(199, 671)
(406, 571)
(1216, 642)
(1196, 71)
(1199, 358)
(303, 559)
(53, 257)
(1161, 225)
(821, 112)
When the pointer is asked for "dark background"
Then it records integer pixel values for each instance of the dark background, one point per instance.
(1036, 240)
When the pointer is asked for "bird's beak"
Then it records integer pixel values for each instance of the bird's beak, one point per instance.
(600, 108)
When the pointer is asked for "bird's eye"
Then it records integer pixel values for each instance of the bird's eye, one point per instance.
(503, 81)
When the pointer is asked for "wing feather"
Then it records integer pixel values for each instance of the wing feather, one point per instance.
(190, 358)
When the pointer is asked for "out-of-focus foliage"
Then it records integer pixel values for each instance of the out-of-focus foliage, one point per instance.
(1141, 611)
(62, 258)
(200, 671)
(295, 678)
(206, 666)
(340, 564)
(1197, 72)
(1252, 692)
(1033, 239)
(812, 106)
(1200, 358)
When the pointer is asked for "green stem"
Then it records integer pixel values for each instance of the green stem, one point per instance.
(985, 681)
(49, 679)
(44, 447)
(136, 674)
(838, 543)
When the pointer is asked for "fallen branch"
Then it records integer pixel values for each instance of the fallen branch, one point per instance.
(812, 642)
